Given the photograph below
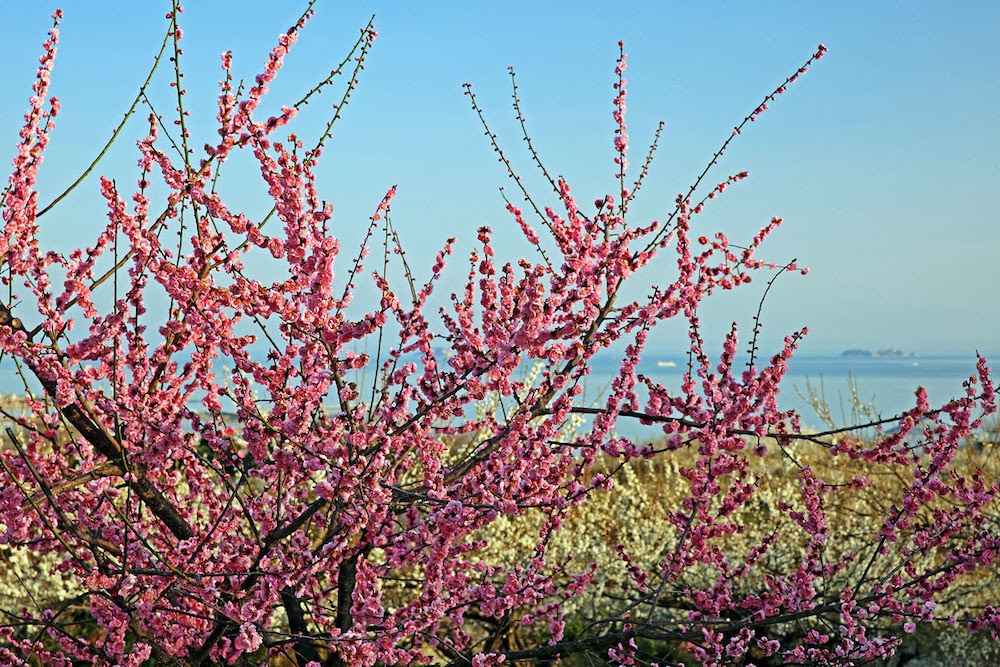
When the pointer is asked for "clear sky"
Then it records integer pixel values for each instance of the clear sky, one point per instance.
(884, 161)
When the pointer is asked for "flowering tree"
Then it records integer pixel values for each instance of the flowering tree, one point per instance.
(290, 512)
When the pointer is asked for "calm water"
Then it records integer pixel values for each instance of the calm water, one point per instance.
(886, 384)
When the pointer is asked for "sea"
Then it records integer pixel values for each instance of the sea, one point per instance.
(853, 388)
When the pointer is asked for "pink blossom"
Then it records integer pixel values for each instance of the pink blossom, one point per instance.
(238, 463)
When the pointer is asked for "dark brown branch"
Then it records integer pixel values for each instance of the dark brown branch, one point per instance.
(305, 649)
(107, 446)
(347, 579)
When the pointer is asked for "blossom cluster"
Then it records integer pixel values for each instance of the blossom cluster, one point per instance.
(340, 494)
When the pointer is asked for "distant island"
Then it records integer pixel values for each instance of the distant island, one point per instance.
(887, 353)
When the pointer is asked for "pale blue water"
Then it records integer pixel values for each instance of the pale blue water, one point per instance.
(886, 384)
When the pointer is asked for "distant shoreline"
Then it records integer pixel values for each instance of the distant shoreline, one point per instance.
(884, 353)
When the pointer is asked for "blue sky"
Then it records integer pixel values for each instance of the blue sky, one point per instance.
(884, 161)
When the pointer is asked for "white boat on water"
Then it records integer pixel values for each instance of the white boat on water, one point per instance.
(666, 364)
